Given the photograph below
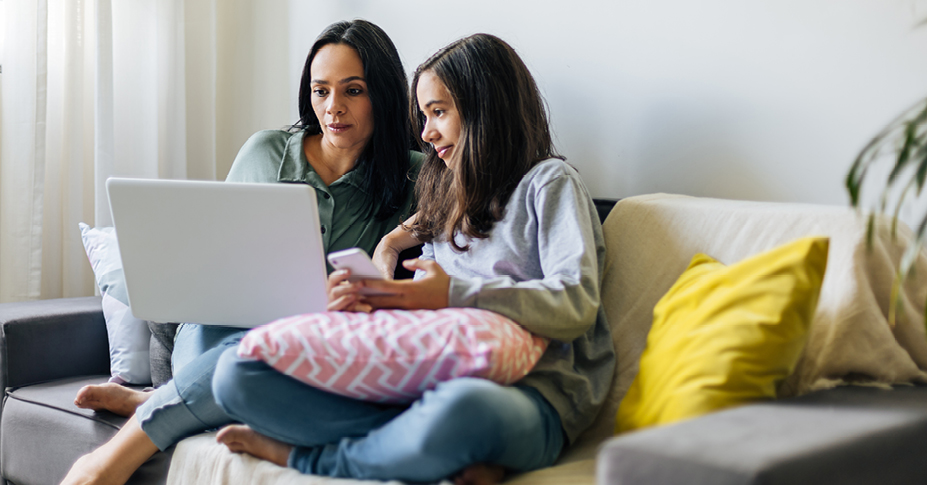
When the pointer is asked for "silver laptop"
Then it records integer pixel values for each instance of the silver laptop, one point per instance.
(218, 253)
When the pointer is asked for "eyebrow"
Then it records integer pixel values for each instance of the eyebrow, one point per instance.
(434, 101)
(343, 81)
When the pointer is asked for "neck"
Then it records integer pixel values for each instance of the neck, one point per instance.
(329, 161)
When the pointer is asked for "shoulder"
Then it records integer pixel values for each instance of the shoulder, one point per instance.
(269, 139)
(260, 158)
(554, 185)
(552, 170)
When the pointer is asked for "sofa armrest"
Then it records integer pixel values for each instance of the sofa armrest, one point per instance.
(52, 339)
(848, 435)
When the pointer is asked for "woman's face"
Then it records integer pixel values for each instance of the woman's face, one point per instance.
(339, 97)
(442, 120)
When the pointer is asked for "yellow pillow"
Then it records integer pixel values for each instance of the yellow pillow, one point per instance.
(724, 336)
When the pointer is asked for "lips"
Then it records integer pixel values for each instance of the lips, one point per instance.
(338, 127)
(442, 150)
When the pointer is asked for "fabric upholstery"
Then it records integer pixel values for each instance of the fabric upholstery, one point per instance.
(37, 342)
(52, 339)
(847, 435)
(44, 433)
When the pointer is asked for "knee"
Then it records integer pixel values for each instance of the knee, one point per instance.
(469, 398)
(229, 380)
(487, 422)
(467, 408)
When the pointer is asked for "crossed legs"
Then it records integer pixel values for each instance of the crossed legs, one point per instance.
(461, 423)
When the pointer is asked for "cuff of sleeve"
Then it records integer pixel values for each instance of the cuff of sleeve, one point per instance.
(463, 292)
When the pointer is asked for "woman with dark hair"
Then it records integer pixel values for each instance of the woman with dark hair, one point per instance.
(351, 144)
(508, 227)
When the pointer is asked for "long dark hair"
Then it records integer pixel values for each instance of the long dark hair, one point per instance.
(384, 164)
(504, 132)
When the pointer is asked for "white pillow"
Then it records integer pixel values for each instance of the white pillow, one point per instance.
(129, 337)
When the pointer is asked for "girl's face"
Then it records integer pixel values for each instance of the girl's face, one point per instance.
(442, 121)
(339, 97)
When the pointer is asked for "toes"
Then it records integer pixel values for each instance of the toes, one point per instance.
(82, 395)
(234, 438)
(230, 433)
(223, 435)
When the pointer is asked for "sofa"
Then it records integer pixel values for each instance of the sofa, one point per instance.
(854, 410)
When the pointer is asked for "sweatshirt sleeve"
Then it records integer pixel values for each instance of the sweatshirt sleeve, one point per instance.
(428, 252)
(562, 304)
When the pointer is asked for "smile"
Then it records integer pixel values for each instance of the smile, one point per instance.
(442, 150)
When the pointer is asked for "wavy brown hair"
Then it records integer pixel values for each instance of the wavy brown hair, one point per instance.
(504, 132)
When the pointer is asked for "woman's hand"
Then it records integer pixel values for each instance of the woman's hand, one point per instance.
(343, 295)
(387, 252)
(427, 293)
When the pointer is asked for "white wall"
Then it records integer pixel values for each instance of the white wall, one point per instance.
(762, 100)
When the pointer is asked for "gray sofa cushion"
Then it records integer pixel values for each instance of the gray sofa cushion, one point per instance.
(44, 433)
(847, 435)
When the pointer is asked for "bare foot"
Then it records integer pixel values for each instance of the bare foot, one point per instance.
(115, 461)
(480, 474)
(111, 397)
(85, 470)
(242, 439)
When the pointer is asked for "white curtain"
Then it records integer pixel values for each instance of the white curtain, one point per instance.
(92, 89)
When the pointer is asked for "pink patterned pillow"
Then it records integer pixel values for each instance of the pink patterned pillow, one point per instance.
(394, 355)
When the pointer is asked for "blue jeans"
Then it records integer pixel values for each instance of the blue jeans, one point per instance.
(462, 422)
(185, 405)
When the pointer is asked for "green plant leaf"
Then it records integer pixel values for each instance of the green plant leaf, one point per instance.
(921, 176)
(904, 154)
(853, 183)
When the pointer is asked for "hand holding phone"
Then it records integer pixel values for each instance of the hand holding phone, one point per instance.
(360, 265)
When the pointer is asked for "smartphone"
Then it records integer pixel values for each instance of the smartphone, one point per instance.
(362, 268)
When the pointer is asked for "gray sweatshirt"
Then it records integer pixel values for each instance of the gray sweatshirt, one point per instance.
(542, 266)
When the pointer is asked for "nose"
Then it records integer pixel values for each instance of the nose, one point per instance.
(429, 133)
(336, 105)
